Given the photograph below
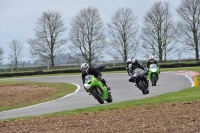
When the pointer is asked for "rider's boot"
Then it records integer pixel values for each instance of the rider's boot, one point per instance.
(131, 79)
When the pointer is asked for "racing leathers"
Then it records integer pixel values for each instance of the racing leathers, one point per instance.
(97, 74)
(151, 62)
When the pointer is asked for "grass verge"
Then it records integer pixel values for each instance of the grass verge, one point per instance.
(62, 89)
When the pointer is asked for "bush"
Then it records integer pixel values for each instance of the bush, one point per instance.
(38, 72)
(28, 73)
(56, 71)
(7, 74)
(18, 74)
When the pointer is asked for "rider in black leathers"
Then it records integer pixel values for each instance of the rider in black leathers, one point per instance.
(135, 64)
(92, 71)
(151, 61)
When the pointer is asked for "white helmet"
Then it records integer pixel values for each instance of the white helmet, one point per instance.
(84, 67)
(151, 58)
(128, 61)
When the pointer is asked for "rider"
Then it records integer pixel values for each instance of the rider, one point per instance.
(135, 64)
(92, 71)
(127, 66)
(152, 61)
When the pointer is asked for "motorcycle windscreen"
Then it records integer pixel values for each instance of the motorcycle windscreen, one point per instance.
(153, 66)
(139, 71)
(88, 78)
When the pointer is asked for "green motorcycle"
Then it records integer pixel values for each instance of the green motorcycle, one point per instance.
(153, 74)
(97, 89)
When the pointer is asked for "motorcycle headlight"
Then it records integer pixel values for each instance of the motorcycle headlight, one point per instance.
(135, 75)
(87, 86)
(153, 70)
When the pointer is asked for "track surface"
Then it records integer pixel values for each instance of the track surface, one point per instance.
(122, 90)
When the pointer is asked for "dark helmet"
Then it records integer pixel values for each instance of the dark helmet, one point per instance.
(84, 67)
(134, 61)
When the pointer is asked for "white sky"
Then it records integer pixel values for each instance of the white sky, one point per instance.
(18, 17)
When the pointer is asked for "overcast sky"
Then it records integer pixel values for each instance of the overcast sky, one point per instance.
(18, 17)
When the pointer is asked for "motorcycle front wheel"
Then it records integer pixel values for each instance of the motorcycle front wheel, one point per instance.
(110, 99)
(97, 94)
(142, 87)
(154, 80)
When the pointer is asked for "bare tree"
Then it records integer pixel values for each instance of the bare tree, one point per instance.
(77, 58)
(16, 52)
(87, 34)
(47, 43)
(122, 31)
(1, 55)
(188, 27)
(158, 32)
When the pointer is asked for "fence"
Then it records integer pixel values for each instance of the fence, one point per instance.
(109, 64)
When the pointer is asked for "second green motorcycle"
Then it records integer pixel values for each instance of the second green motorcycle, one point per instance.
(153, 74)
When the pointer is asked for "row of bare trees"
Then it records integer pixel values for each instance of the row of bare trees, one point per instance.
(88, 40)
(188, 27)
(160, 33)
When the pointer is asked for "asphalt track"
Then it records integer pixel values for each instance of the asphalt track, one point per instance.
(122, 90)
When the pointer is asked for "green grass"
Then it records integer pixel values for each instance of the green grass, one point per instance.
(62, 89)
(185, 95)
(197, 69)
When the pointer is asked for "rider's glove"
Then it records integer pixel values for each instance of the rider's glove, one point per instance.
(131, 80)
(130, 74)
(99, 78)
